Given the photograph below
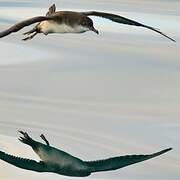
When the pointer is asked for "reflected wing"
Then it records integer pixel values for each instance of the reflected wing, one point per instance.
(22, 24)
(123, 20)
(121, 161)
(23, 163)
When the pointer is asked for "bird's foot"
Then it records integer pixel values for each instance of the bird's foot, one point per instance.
(27, 33)
(44, 139)
(25, 134)
(26, 138)
(27, 38)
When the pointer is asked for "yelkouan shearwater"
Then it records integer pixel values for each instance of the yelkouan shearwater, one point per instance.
(57, 161)
(69, 22)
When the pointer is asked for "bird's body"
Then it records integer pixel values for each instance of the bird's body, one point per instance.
(48, 27)
(57, 161)
(64, 24)
(61, 162)
(69, 22)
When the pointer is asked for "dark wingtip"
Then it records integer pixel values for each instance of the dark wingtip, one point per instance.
(163, 151)
(173, 40)
(158, 31)
(168, 149)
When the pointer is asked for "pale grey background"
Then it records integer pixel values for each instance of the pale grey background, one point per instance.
(94, 96)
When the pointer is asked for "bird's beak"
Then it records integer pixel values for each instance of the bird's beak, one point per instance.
(94, 30)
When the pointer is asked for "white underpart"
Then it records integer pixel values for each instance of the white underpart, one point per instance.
(51, 156)
(43, 155)
(56, 156)
(52, 27)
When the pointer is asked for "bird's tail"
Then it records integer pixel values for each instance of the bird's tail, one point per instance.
(121, 161)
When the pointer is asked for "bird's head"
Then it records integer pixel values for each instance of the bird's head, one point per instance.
(88, 23)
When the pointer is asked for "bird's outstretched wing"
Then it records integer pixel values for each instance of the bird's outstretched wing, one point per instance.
(123, 20)
(121, 161)
(24, 23)
(23, 163)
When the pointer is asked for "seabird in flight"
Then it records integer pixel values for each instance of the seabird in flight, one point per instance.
(57, 161)
(69, 22)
